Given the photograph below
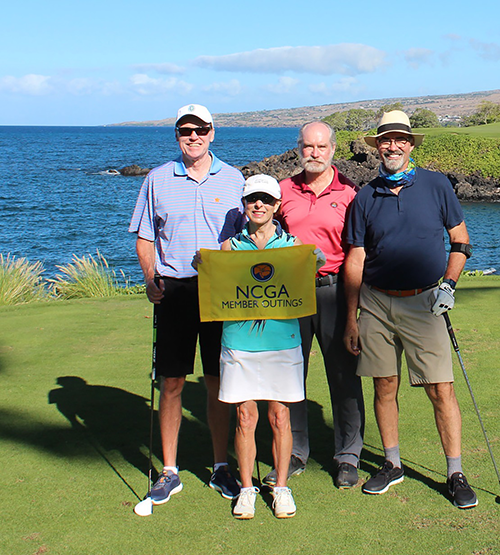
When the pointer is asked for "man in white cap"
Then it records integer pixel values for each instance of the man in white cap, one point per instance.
(314, 207)
(190, 203)
(399, 276)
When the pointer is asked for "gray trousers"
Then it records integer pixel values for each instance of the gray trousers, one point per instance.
(345, 387)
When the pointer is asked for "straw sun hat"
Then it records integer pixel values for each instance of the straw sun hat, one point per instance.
(394, 122)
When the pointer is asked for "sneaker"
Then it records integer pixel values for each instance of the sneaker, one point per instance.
(225, 483)
(295, 468)
(167, 484)
(347, 476)
(462, 494)
(283, 504)
(387, 476)
(245, 504)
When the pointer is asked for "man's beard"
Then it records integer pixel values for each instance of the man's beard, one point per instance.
(394, 166)
(314, 165)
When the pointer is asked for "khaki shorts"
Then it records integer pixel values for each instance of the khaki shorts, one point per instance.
(390, 325)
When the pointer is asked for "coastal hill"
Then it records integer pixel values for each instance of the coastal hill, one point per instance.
(447, 107)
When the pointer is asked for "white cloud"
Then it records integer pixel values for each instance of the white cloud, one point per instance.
(165, 68)
(415, 57)
(285, 85)
(228, 88)
(33, 85)
(145, 85)
(347, 59)
(487, 50)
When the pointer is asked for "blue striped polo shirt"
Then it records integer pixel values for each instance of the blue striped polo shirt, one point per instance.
(182, 215)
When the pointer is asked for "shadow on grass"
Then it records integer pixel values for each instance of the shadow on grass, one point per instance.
(105, 419)
(112, 419)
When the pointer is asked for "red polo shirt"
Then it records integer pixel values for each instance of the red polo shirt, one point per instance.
(318, 219)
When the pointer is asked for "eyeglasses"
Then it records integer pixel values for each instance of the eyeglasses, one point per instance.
(200, 131)
(400, 142)
(263, 197)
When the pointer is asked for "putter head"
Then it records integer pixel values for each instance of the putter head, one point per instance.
(144, 507)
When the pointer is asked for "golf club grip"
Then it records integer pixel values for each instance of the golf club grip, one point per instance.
(451, 333)
(155, 327)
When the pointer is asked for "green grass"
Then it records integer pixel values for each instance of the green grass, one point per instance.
(73, 451)
(491, 130)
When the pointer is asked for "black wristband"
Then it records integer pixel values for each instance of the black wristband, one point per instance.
(451, 283)
(464, 248)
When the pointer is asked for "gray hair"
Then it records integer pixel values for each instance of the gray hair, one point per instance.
(300, 138)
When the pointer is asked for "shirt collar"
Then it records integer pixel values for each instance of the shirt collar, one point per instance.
(299, 182)
(181, 170)
(278, 233)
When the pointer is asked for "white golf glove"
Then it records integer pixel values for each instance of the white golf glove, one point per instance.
(445, 299)
(320, 258)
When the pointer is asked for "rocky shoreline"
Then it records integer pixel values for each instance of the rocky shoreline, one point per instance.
(361, 168)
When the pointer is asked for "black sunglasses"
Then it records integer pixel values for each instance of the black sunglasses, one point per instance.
(263, 197)
(200, 131)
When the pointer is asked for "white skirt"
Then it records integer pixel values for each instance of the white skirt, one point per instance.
(263, 375)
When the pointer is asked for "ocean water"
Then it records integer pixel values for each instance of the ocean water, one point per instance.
(58, 199)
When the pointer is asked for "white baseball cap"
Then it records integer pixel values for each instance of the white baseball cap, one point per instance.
(195, 110)
(262, 183)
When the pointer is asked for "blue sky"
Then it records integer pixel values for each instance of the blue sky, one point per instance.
(106, 61)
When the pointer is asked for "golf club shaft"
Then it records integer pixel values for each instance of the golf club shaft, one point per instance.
(257, 463)
(457, 350)
(153, 380)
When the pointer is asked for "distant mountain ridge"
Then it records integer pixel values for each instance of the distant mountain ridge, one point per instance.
(450, 106)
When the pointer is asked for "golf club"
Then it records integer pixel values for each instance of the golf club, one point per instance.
(455, 347)
(145, 507)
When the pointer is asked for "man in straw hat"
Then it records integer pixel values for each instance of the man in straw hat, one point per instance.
(394, 268)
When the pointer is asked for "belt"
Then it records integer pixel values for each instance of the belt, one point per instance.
(404, 292)
(192, 278)
(329, 279)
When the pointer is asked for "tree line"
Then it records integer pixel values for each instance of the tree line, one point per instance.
(360, 119)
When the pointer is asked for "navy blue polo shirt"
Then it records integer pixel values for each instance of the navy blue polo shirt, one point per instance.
(403, 235)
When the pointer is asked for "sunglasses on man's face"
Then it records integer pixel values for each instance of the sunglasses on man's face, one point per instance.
(200, 131)
(263, 197)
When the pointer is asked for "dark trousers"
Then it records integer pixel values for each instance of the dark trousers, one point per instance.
(345, 387)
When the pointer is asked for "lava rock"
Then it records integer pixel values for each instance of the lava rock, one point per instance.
(134, 170)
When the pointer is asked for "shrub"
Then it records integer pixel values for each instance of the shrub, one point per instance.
(344, 140)
(87, 276)
(20, 281)
(466, 154)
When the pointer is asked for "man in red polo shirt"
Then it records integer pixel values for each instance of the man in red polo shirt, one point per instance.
(314, 207)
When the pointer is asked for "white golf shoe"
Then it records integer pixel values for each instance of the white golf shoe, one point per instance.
(283, 504)
(245, 504)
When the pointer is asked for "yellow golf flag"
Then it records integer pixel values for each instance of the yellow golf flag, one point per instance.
(257, 284)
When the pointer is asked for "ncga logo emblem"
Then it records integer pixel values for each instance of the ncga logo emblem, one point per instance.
(262, 272)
